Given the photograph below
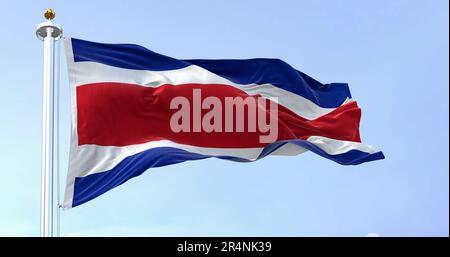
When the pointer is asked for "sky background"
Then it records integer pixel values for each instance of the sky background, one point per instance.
(394, 55)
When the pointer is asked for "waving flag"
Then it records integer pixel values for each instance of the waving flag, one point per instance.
(134, 109)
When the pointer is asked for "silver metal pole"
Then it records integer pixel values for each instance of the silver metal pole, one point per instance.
(57, 143)
(49, 33)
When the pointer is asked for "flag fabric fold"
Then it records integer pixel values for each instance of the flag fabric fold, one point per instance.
(122, 103)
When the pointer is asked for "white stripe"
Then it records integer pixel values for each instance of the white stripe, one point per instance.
(289, 150)
(93, 72)
(333, 146)
(72, 173)
(93, 159)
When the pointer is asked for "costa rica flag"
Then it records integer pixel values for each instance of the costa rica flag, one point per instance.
(134, 109)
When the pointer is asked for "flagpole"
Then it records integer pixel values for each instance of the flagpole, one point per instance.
(49, 33)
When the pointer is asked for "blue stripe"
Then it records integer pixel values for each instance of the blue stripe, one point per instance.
(280, 74)
(252, 71)
(92, 186)
(127, 56)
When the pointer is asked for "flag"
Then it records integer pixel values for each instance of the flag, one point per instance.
(134, 109)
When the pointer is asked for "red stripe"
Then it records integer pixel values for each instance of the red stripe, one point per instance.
(119, 114)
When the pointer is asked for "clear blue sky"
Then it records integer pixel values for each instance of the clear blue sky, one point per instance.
(394, 54)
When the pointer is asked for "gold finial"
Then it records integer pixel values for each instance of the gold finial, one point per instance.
(49, 14)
